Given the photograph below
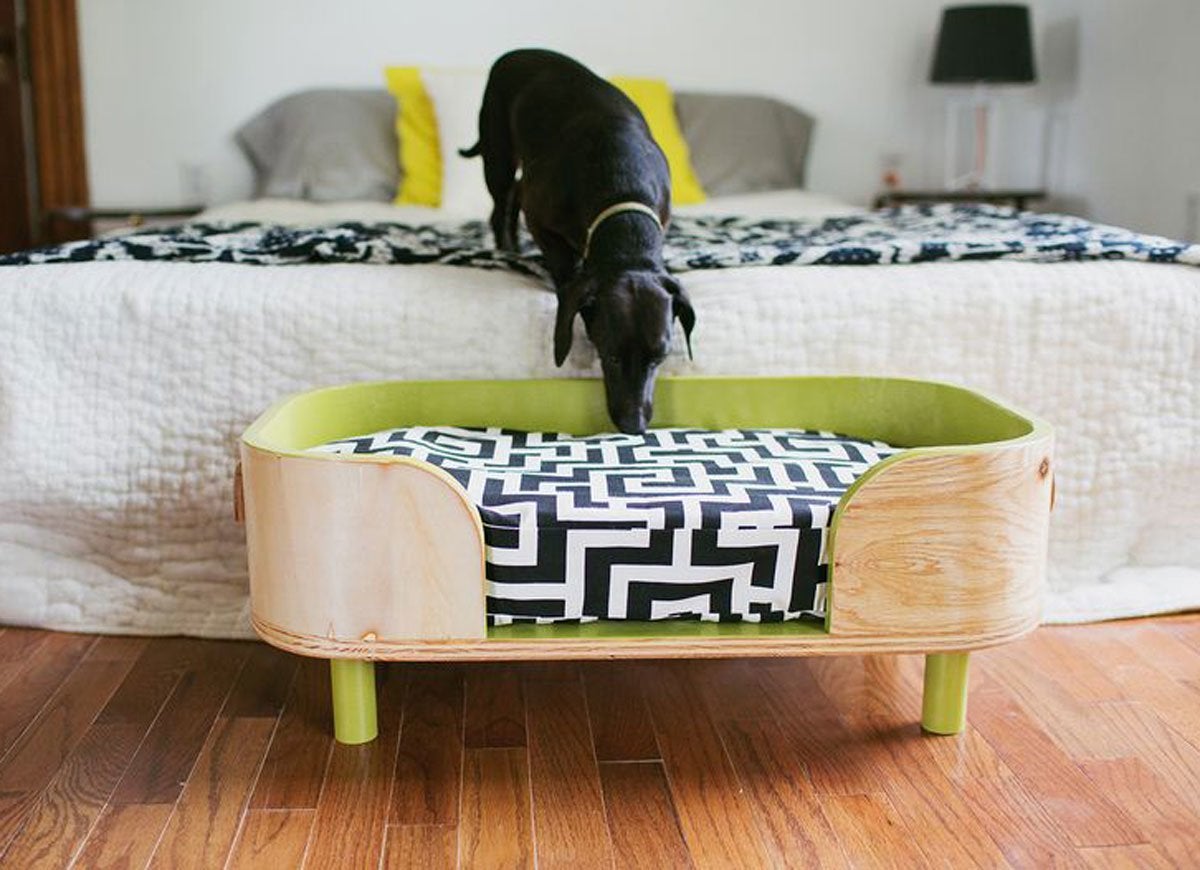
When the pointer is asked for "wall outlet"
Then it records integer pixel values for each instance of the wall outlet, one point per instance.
(890, 165)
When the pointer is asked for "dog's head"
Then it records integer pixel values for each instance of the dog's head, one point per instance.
(629, 317)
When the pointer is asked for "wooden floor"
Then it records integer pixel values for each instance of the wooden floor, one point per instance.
(1083, 748)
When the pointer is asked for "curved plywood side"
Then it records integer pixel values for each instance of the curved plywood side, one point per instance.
(350, 552)
(944, 545)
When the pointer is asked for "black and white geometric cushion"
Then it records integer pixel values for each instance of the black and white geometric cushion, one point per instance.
(674, 524)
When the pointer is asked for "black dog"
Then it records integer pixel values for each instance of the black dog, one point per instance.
(596, 193)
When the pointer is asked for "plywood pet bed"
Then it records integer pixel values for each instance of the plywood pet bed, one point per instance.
(488, 520)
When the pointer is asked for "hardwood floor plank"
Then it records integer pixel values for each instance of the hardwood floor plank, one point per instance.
(1019, 825)
(61, 817)
(165, 758)
(496, 826)
(1065, 719)
(1058, 784)
(549, 671)
(641, 816)
(787, 808)
(949, 832)
(1156, 646)
(118, 649)
(966, 757)
(870, 687)
(1075, 723)
(884, 694)
(420, 846)
(272, 840)
(124, 837)
(1174, 700)
(872, 833)
(832, 753)
(1083, 677)
(152, 679)
(1185, 629)
(295, 765)
(730, 688)
(1119, 730)
(17, 644)
(51, 738)
(262, 685)
(17, 647)
(1168, 819)
(60, 725)
(570, 827)
(37, 679)
(202, 829)
(352, 811)
(714, 814)
(495, 707)
(1138, 729)
(621, 728)
(878, 699)
(1141, 857)
(429, 762)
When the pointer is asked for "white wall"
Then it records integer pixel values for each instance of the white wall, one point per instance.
(167, 81)
(1133, 143)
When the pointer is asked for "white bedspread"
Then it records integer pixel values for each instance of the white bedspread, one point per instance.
(124, 387)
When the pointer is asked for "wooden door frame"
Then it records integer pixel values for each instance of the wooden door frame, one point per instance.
(16, 197)
(60, 176)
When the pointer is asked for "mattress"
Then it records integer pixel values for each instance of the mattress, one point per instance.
(722, 526)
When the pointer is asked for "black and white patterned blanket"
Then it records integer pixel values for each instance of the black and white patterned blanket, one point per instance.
(908, 234)
(722, 526)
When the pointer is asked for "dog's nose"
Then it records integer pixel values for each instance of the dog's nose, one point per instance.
(631, 422)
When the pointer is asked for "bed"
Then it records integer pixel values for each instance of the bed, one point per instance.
(124, 385)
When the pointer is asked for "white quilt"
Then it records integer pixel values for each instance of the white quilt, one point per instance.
(124, 387)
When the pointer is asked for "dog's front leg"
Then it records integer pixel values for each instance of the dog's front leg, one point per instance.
(561, 258)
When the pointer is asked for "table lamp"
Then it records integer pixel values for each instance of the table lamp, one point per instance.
(981, 46)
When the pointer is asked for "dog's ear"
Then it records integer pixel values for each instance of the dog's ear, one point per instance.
(571, 298)
(682, 307)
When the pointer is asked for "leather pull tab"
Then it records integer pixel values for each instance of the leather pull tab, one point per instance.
(239, 499)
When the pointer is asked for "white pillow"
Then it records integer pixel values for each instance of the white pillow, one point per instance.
(456, 96)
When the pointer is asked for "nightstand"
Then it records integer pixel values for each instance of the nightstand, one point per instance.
(84, 220)
(1015, 198)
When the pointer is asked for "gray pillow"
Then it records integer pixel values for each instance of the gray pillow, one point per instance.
(742, 144)
(325, 145)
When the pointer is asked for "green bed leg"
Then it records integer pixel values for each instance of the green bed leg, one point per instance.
(944, 705)
(353, 700)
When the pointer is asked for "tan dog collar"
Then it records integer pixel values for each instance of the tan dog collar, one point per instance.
(615, 210)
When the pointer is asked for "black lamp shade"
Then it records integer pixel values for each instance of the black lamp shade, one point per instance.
(984, 44)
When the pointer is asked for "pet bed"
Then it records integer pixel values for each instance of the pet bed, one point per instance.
(936, 548)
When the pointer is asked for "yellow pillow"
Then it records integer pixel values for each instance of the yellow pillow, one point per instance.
(417, 130)
(654, 99)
